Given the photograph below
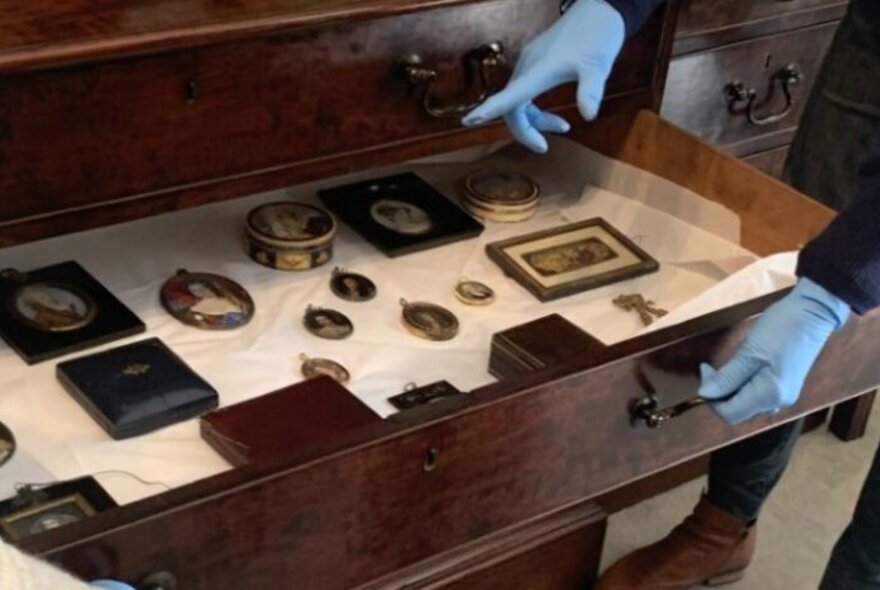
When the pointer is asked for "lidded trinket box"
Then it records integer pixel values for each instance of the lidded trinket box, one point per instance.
(290, 235)
(500, 195)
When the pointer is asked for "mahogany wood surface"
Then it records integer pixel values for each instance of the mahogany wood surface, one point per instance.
(46, 33)
(107, 142)
(711, 23)
(849, 421)
(695, 91)
(771, 162)
(558, 552)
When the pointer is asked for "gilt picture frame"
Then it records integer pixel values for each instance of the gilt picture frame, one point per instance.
(570, 259)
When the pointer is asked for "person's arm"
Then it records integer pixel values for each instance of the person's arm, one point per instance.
(838, 271)
(845, 258)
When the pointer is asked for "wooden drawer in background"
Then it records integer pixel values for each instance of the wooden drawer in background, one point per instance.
(770, 162)
(696, 95)
(703, 24)
(139, 129)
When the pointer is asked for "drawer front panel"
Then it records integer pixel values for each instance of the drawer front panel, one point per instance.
(696, 90)
(710, 23)
(771, 162)
(84, 135)
(376, 509)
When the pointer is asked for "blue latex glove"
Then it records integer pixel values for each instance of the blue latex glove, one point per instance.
(110, 585)
(581, 46)
(769, 370)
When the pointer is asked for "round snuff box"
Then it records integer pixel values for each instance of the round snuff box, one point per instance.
(290, 235)
(500, 195)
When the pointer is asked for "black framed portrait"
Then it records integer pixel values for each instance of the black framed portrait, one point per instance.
(60, 309)
(37, 510)
(400, 214)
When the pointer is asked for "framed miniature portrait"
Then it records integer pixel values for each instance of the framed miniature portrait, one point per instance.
(52, 311)
(351, 286)
(7, 444)
(207, 301)
(37, 510)
(429, 321)
(400, 214)
(570, 259)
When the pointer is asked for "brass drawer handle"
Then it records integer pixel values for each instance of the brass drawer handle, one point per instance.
(479, 64)
(648, 410)
(159, 581)
(737, 93)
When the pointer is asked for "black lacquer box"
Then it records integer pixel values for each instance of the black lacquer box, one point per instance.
(60, 309)
(137, 388)
(400, 214)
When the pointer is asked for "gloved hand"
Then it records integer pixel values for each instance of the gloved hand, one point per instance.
(581, 46)
(110, 585)
(769, 369)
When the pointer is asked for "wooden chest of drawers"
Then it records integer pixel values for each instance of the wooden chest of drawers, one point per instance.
(724, 46)
(140, 110)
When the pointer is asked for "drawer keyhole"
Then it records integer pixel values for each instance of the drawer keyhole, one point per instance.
(191, 91)
(432, 456)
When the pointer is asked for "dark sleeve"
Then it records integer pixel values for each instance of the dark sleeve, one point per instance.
(845, 258)
(635, 12)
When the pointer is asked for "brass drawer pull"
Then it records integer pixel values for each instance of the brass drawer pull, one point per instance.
(479, 64)
(737, 93)
(648, 410)
(159, 581)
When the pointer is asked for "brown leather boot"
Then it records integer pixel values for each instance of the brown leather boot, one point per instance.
(711, 547)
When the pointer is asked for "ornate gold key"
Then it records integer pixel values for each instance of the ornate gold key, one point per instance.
(647, 310)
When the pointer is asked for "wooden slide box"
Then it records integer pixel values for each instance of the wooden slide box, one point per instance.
(395, 503)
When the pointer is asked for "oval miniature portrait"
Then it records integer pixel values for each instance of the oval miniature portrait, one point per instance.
(7, 444)
(327, 323)
(474, 293)
(291, 222)
(430, 321)
(501, 186)
(207, 301)
(312, 368)
(352, 286)
(53, 307)
(401, 217)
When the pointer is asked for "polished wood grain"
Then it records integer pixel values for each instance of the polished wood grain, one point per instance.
(711, 23)
(107, 142)
(695, 91)
(527, 448)
(560, 551)
(48, 33)
(771, 162)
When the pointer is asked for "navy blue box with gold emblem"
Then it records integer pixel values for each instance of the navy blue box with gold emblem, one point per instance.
(137, 388)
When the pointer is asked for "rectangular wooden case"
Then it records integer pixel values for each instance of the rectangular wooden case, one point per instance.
(113, 115)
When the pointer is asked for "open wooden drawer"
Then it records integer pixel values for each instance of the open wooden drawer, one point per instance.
(392, 504)
(482, 495)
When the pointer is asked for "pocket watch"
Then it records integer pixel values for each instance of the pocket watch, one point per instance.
(327, 323)
(474, 292)
(315, 367)
(207, 301)
(429, 321)
(351, 286)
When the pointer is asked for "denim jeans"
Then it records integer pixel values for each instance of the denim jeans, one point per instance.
(840, 120)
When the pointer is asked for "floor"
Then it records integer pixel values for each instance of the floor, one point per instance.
(804, 516)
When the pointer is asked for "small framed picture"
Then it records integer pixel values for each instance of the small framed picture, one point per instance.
(59, 309)
(571, 259)
(36, 510)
